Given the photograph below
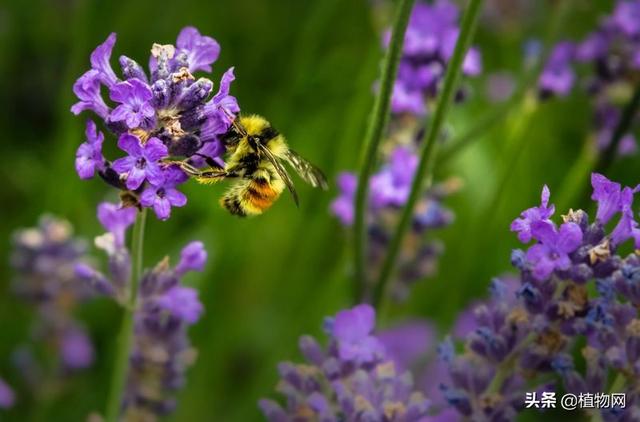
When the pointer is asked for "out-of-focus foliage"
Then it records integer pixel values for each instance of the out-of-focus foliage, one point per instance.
(309, 67)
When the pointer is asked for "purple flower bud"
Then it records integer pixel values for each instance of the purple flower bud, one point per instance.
(132, 70)
(77, 350)
(183, 303)
(116, 219)
(100, 58)
(89, 157)
(192, 258)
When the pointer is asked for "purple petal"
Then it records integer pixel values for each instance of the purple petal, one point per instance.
(148, 196)
(135, 177)
(175, 197)
(192, 258)
(7, 396)
(544, 232)
(183, 303)
(100, 60)
(162, 208)
(130, 144)
(77, 350)
(569, 238)
(155, 150)
(354, 324)
(124, 164)
(201, 50)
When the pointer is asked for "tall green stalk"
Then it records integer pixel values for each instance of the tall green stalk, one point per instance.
(125, 338)
(428, 153)
(377, 123)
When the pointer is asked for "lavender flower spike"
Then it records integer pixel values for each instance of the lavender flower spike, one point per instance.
(170, 112)
(575, 306)
(362, 384)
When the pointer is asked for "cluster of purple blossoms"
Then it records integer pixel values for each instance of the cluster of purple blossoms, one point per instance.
(612, 54)
(43, 260)
(352, 379)
(166, 113)
(428, 46)
(389, 191)
(7, 396)
(164, 310)
(574, 305)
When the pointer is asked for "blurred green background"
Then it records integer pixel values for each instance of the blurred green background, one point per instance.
(309, 67)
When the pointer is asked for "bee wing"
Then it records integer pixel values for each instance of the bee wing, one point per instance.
(307, 171)
(282, 172)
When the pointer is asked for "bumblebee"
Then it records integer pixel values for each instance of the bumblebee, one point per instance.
(256, 156)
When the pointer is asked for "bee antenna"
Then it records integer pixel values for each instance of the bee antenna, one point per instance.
(235, 124)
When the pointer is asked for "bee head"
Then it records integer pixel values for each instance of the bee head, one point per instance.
(231, 138)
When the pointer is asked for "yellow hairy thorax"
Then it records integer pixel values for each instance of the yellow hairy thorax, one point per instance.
(254, 124)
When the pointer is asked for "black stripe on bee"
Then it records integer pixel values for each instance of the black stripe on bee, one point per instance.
(232, 204)
(268, 133)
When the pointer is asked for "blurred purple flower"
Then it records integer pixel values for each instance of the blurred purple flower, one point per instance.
(330, 388)
(343, 206)
(428, 46)
(44, 259)
(627, 17)
(352, 330)
(558, 77)
(406, 343)
(192, 258)
(7, 397)
(183, 303)
(116, 219)
(77, 350)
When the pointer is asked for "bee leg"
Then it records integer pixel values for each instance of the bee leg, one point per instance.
(184, 166)
(210, 161)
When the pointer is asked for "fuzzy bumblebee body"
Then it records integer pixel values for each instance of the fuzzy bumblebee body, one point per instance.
(256, 153)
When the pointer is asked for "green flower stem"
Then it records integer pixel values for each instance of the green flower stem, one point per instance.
(628, 114)
(121, 365)
(428, 153)
(377, 122)
(574, 188)
(500, 112)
